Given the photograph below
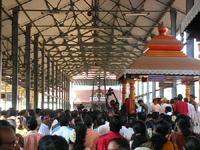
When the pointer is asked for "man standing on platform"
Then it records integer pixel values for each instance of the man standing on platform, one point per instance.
(181, 106)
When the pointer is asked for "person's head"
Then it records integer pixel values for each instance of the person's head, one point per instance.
(63, 120)
(180, 97)
(141, 102)
(192, 143)
(186, 100)
(183, 125)
(31, 123)
(118, 144)
(139, 127)
(162, 127)
(112, 103)
(7, 136)
(115, 123)
(54, 142)
(19, 122)
(155, 101)
(192, 97)
(168, 110)
(88, 121)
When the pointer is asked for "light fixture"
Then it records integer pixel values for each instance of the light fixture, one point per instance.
(136, 14)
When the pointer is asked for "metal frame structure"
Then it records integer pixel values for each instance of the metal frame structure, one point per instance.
(94, 37)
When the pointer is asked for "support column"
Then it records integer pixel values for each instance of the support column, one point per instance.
(123, 90)
(148, 93)
(48, 80)
(190, 43)
(0, 45)
(153, 90)
(132, 107)
(138, 87)
(173, 16)
(161, 90)
(15, 57)
(187, 90)
(36, 36)
(56, 106)
(62, 90)
(60, 82)
(27, 64)
(43, 77)
(142, 90)
(52, 81)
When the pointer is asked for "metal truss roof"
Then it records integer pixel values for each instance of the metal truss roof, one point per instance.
(87, 37)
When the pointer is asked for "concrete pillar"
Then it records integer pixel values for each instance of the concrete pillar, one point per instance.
(15, 57)
(153, 90)
(173, 17)
(52, 82)
(148, 98)
(48, 80)
(56, 103)
(36, 36)
(190, 43)
(43, 77)
(27, 64)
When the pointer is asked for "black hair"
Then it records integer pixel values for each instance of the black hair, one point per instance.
(168, 109)
(63, 120)
(192, 143)
(184, 124)
(32, 123)
(122, 142)
(80, 130)
(140, 101)
(54, 142)
(180, 97)
(115, 123)
(142, 116)
(159, 138)
(140, 134)
(88, 121)
(5, 125)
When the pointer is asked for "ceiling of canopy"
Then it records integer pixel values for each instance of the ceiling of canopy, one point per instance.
(87, 38)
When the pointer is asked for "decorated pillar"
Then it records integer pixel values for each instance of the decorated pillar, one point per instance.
(132, 97)
(123, 91)
(187, 89)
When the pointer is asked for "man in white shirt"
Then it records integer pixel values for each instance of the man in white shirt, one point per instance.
(65, 131)
(44, 127)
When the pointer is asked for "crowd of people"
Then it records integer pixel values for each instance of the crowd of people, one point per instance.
(165, 125)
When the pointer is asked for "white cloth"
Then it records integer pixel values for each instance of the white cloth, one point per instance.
(44, 129)
(67, 133)
(126, 132)
(103, 129)
(163, 107)
(55, 122)
(191, 110)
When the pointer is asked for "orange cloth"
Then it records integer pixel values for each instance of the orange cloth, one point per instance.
(90, 139)
(170, 146)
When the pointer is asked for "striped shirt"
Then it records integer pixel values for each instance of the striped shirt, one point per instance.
(31, 140)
